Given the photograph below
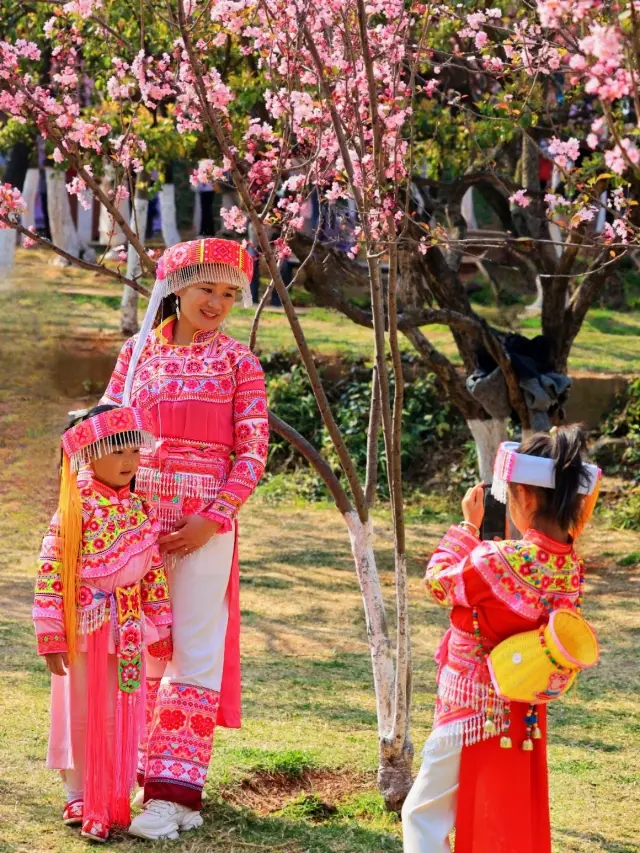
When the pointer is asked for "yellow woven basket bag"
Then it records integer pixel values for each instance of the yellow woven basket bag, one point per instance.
(541, 665)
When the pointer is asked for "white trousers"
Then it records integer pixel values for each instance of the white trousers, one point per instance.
(429, 812)
(198, 589)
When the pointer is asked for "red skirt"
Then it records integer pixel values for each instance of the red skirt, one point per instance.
(503, 799)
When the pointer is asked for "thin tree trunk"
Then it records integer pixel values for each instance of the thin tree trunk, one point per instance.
(63, 230)
(110, 233)
(361, 535)
(7, 248)
(373, 434)
(85, 230)
(488, 436)
(170, 233)
(129, 309)
(29, 194)
(468, 210)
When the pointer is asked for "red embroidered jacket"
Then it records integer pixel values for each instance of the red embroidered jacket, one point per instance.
(209, 404)
(509, 583)
(119, 547)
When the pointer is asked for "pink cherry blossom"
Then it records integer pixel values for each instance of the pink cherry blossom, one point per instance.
(12, 204)
(234, 219)
(520, 198)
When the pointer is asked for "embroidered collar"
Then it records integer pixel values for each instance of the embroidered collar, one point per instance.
(548, 544)
(88, 478)
(166, 329)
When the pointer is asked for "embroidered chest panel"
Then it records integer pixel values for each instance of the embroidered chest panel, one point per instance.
(523, 573)
(203, 371)
(113, 532)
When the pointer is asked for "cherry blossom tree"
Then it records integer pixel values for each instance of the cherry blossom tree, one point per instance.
(350, 100)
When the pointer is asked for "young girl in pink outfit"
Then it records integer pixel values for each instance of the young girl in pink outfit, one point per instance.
(101, 603)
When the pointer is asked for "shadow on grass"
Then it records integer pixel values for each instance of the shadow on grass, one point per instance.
(599, 842)
(609, 325)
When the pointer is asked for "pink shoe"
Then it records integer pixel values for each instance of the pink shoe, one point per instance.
(72, 814)
(95, 830)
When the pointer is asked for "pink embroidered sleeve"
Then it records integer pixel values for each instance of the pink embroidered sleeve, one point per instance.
(115, 389)
(48, 612)
(251, 442)
(445, 577)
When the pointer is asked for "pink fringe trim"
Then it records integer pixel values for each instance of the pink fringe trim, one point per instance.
(98, 759)
(130, 723)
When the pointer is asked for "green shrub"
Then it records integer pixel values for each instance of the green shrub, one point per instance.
(624, 422)
(434, 436)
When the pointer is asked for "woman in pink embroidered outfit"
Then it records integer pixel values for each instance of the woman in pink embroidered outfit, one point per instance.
(205, 392)
(102, 543)
(481, 743)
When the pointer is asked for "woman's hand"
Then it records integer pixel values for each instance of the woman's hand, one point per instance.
(57, 663)
(191, 533)
(473, 505)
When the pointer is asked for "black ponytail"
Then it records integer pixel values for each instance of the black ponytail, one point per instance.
(568, 448)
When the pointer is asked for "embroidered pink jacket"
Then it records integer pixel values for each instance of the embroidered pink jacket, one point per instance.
(119, 536)
(209, 403)
(507, 583)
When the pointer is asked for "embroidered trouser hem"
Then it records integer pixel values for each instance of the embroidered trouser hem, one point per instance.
(429, 812)
(180, 743)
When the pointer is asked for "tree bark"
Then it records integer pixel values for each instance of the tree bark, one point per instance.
(170, 233)
(110, 233)
(7, 248)
(488, 435)
(361, 536)
(129, 309)
(63, 230)
(29, 194)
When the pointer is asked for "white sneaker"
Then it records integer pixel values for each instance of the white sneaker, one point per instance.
(163, 819)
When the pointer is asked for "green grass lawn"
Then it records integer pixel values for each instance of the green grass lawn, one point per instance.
(300, 775)
(609, 342)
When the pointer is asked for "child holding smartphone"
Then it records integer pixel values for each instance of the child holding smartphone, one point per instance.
(484, 766)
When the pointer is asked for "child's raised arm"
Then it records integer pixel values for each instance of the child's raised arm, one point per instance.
(446, 570)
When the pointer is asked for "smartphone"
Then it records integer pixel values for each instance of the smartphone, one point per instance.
(494, 523)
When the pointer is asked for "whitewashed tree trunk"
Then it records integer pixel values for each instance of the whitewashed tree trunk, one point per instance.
(7, 248)
(468, 210)
(536, 307)
(85, 231)
(361, 536)
(129, 309)
(63, 229)
(110, 234)
(394, 760)
(170, 233)
(602, 213)
(30, 194)
(197, 213)
(488, 436)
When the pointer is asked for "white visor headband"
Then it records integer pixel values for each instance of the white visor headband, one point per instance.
(514, 467)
